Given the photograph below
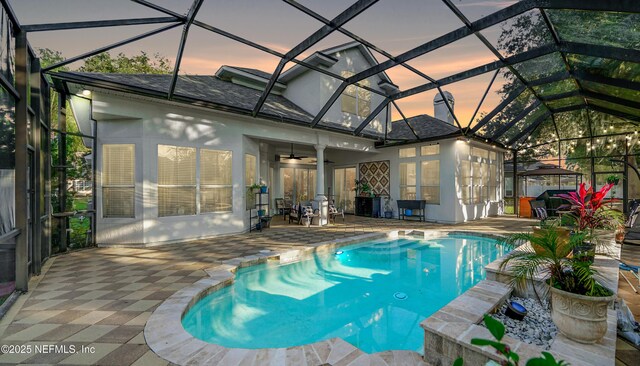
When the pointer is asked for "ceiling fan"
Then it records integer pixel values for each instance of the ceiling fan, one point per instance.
(292, 156)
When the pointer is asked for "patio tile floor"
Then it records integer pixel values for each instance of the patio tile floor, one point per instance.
(103, 296)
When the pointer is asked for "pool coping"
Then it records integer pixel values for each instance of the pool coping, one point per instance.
(166, 336)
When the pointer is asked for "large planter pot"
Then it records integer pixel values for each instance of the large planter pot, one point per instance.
(579, 317)
(563, 248)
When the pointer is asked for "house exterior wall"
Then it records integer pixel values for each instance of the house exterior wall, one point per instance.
(451, 208)
(311, 90)
(147, 123)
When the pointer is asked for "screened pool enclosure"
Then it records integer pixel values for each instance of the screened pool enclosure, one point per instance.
(553, 82)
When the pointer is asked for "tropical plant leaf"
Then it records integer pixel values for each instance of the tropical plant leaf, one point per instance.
(458, 362)
(495, 327)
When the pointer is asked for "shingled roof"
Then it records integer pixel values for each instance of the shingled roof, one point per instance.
(425, 126)
(211, 91)
(196, 88)
(255, 72)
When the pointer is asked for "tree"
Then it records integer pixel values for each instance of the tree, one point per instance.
(523, 33)
(122, 64)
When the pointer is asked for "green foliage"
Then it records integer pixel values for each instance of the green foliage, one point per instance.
(362, 187)
(123, 64)
(50, 57)
(510, 358)
(7, 141)
(613, 179)
(571, 274)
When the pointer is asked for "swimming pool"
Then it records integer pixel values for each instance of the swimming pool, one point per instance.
(373, 295)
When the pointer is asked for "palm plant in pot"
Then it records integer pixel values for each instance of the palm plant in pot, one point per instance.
(579, 302)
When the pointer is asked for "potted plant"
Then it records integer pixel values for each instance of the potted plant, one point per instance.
(263, 186)
(589, 214)
(613, 179)
(579, 302)
(362, 188)
(388, 208)
(254, 188)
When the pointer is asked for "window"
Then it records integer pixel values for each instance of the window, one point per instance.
(465, 181)
(407, 153)
(480, 177)
(176, 180)
(407, 181)
(430, 181)
(215, 181)
(430, 150)
(479, 153)
(356, 100)
(118, 180)
(344, 185)
(493, 181)
(250, 177)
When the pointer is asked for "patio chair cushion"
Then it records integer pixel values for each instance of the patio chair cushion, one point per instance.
(541, 213)
(307, 211)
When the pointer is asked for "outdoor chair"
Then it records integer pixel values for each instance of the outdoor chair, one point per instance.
(300, 214)
(539, 209)
(333, 213)
(282, 208)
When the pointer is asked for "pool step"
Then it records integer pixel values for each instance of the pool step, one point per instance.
(397, 247)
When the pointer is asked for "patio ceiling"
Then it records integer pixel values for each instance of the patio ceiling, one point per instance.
(574, 81)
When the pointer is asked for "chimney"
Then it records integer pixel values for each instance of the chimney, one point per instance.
(440, 109)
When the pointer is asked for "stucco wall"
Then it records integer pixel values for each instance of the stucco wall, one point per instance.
(147, 123)
(311, 90)
(451, 209)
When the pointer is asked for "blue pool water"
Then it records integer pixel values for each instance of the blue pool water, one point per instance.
(373, 295)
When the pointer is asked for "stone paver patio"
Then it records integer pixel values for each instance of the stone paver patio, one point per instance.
(102, 297)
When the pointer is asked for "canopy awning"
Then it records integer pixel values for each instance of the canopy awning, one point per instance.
(548, 171)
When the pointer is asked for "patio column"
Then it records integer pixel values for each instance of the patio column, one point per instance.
(323, 204)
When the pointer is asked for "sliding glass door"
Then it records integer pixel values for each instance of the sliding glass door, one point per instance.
(344, 183)
(299, 184)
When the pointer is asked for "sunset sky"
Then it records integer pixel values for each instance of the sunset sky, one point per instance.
(394, 25)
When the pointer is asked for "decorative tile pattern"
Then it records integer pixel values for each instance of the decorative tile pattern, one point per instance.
(377, 174)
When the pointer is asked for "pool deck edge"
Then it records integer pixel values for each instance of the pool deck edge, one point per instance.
(166, 336)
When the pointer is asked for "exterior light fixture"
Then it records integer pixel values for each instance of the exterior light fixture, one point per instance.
(86, 92)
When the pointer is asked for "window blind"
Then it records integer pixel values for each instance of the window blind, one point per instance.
(176, 180)
(118, 180)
